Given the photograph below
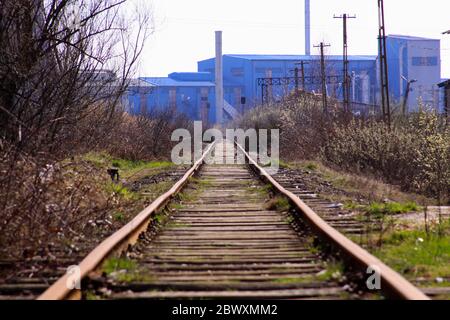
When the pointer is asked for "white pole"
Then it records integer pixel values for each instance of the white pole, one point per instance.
(307, 27)
(219, 78)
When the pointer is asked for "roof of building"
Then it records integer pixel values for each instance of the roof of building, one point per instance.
(168, 82)
(284, 57)
(139, 83)
(191, 76)
(412, 38)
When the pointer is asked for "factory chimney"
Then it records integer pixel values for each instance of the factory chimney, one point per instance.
(219, 78)
(307, 28)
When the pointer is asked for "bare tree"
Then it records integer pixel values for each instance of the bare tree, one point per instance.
(60, 59)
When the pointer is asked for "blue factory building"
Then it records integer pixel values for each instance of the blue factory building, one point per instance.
(190, 93)
(417, 61)
(241, 74)
(411, 60)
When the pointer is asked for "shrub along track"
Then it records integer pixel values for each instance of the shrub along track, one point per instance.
(29, 277)
(345, 221)
(225, 241)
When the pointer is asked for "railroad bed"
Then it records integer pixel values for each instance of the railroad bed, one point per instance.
(229, 238)
(225, 243)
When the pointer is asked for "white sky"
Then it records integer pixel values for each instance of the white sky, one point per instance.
(185, 28)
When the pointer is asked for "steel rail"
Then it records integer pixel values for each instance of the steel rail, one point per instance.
(119, 241)
(392, 283)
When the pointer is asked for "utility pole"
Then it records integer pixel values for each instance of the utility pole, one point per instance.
(302, 70)
(446, 97)
(384, 79)
(296, 79)
(346, 84)
(323, 76)
(406, 96)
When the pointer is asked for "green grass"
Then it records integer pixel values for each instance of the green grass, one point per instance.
(289, 280)
(124, 270)
(334, 271)
(120, 190)
(157, 188)
(90, 295)
(115, 264)
(264, 190)
(311, 166)
(118, 216)
(202, 182)
(160, 217)
(391, 208)
(415, 254)
(127, 167)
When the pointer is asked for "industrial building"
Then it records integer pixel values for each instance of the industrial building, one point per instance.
(186, 92)
(242, 81)
(414, 65)
(411, 60)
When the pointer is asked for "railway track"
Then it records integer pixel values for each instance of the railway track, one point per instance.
(229, 238)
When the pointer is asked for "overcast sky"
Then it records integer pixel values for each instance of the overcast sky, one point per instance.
(185, 28)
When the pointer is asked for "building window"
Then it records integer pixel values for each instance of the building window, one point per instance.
(272, 70)
(424, 61)
(237, 72)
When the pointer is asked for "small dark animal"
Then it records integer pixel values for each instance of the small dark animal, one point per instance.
(114, 174)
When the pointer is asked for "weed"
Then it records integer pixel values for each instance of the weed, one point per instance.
(334, 271)
(90, 295)
(120, 190)
(118, 216)
(280, 204)
(115, 264)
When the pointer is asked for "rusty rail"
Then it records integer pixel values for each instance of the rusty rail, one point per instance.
(392, 283)
(120, 240)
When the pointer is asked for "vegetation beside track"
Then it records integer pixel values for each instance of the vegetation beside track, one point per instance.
(79, 206)
(414, 153)
(411, 238)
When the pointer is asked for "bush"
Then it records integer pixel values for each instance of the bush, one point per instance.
(413, 154)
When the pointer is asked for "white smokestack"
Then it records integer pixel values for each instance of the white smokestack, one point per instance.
(219, 78)
(307, 28)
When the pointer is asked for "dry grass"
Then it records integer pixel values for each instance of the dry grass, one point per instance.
(360, 185)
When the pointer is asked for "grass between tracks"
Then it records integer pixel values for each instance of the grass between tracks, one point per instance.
(124, 270)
